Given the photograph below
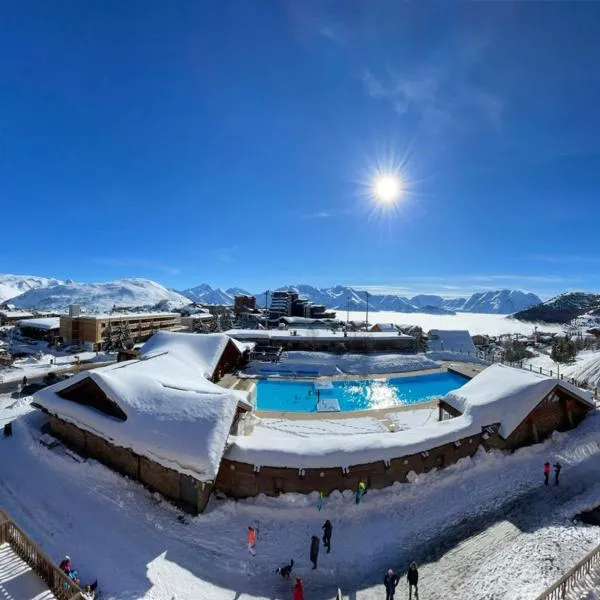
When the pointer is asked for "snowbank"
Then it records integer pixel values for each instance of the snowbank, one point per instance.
(175, 416)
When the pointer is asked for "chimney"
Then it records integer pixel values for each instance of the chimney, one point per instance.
(74, 310)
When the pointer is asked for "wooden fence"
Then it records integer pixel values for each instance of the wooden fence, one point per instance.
(59, 584)
(567, 582)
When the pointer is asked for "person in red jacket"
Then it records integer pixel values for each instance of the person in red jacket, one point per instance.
(546, 472)
(298, 591)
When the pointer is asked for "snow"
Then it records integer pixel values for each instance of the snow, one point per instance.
(476, 323)
(441, 340)
(14, 285)
(499, 394)
(100, 296)
(322, 334)
(175, 416)
(505, 395)
(17, 580)
(12, 406)
(15, 314)
(48, 323)
(119, 316)
(326, 363)
(483, 528)
(585, 368)
(200, 351)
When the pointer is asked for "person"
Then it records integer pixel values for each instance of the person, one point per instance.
(251, 540)
(413, 580)
(361, 491)
(65, 565)
(320, 500)
(390, 581)
(546, 472)
(327, 530)
(298, 591)
(24, 382)
(557, 468)
(7, 429)
(314, 550)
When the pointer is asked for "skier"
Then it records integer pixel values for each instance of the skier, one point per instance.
(546, 472)
(361, 491)
(251, 540)
(557, 468)
(298, 591)
(327, 529)
(390, 581)
(320, 500)
(314, 550)
(413, 580)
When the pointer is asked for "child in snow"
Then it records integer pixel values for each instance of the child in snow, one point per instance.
(361, 491)
(314, 550)
(546, 472)
(413, 580)
(251, 540)
(298, 591)
(327, 530)
(390, 581)
(557, 468)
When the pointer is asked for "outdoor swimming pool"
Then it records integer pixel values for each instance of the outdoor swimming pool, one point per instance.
(364, 394)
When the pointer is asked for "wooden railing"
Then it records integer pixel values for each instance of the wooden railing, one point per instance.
(567, 582)
(59, 584)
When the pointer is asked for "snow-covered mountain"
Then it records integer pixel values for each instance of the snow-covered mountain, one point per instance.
(100, 296)
(204, 294)
(15, 285)
(503, 302)
(563, 308)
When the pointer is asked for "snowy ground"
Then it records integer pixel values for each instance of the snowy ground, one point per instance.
(585, 368)
(326, 363)
(17, 580)
(476, 323)
(13, 406)
(485, 528)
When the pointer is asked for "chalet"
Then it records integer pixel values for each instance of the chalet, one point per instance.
(447, 340)
(480, 340)
(157, 419)
(385, 327)
(11, 317)
(46, 329)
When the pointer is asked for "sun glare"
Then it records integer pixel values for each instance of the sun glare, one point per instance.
(387, 188)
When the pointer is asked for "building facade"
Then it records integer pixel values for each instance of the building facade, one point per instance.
(89, 330)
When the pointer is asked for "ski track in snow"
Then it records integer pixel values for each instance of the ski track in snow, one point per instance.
(484, 528)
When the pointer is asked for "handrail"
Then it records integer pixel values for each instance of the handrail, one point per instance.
(558, 591)
(62, 586)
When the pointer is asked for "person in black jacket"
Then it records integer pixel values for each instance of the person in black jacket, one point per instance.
(413, 580)
(327, 529)
(390, 581)
(557, 468)
(314, 550)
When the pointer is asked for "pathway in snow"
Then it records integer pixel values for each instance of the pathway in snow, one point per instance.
(18, 581)
(484, 528)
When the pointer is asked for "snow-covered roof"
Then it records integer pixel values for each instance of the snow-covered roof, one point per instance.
(15, 314)
(121, 316)
(506, 395)
(175, 416)
(449, 340)
(46, 323)
(500, 394)
(385, 327)
(201, 351)
(322, 334)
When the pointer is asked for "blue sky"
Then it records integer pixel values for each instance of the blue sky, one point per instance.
(235, 143)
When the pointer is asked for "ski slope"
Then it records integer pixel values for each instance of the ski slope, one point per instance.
(483, 528)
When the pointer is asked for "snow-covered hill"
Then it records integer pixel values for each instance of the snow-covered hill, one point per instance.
(563, 308)
(501, 302)
(100, 296)
(204, 294)
(15, 285)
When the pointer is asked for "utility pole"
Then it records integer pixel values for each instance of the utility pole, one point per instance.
(348, 314)
(267, 309)
(367, 294)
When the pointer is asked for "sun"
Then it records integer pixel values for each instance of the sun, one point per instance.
(387, 188)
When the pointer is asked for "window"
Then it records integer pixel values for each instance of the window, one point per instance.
(88, 393)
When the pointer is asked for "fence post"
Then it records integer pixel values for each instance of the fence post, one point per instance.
(541, 371)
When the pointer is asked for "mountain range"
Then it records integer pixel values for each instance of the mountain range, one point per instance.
(46, 293)
(347, 298)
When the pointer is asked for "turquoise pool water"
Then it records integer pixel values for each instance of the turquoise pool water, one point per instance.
(363, 394)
